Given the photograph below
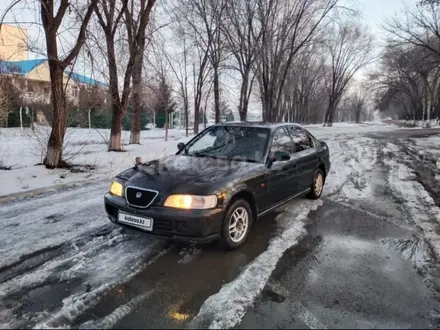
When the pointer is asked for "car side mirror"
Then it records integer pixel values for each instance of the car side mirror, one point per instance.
(180, 145)
(280, 156)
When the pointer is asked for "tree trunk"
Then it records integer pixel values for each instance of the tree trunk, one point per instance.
(117, 107)
(116, 129)
(244, 100)
(196, 119)
(135, 134)
(216, 95)
(166, 124)
(55, 144)
(185, 104)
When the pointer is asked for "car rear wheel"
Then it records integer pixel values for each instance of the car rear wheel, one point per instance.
(237, 224)
(317, 185)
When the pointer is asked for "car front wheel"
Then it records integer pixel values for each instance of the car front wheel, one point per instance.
(317, 184)
(237, 224)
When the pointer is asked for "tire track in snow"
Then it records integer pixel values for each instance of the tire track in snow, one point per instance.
(91, 271)
(64, 246)
(31, 227)
(38, 257)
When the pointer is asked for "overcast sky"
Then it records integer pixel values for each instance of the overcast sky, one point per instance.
(374, 13)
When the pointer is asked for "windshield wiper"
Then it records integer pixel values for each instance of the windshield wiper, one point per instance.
(202, 154)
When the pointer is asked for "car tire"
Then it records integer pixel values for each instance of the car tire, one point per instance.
(239, 213)
(317, 184)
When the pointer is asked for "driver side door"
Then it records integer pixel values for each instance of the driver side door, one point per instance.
(281, 173)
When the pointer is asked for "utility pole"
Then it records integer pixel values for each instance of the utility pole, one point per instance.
(21, 119)
(195, 105)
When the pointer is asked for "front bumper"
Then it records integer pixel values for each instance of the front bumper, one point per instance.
(200, 226)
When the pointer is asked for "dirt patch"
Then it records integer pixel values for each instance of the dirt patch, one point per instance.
(426, 171)
(82, 168)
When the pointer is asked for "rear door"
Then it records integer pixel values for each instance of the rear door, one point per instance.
(305, 154)
(282, 173)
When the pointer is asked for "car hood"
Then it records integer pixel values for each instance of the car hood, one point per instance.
(197, 175)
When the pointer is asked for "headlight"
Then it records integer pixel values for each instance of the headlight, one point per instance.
(117, 189)
(191, 202)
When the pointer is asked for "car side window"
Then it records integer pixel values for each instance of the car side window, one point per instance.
(301, 139)
(205, 142)
(281, 141)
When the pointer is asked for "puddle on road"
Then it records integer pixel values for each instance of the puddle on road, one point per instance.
(182, 279)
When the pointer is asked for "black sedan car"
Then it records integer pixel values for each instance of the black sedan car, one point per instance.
(219, 183)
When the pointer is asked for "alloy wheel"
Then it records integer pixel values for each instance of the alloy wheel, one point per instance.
(238, 224)
(318, 184)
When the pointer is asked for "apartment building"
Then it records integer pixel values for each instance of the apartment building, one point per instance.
(32, 76)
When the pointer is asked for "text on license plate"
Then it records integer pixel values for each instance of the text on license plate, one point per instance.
(135, 221)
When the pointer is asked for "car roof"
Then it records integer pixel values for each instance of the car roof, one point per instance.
(262, 124)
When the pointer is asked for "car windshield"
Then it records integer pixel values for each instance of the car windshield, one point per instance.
(231, 142)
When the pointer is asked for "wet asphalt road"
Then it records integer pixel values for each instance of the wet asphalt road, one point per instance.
(347, 272)
(351, 270)
(181, 280)
(357, 268)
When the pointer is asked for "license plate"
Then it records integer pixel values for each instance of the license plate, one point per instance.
(135, 221)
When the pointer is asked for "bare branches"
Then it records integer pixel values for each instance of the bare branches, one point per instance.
(349, 51)
(287, 27)
(242, 36)
(419, 26)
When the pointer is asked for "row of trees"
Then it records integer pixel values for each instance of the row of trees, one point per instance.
(296, 57)
(407, 84)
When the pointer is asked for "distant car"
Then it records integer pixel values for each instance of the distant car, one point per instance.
(219, 183)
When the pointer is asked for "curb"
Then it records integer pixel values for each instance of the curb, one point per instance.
(54, 188)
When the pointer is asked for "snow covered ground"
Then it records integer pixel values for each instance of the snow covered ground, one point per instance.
(75, 248)
(22, 152)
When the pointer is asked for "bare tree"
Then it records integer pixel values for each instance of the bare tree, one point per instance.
(136, 31)
(52, 17)
(200, 78)
(179, 68)
(418, 27)
(357, 103)
(109, 18)
(201, 20)
(349, 50)
(242, 32)
(206, 25)
(288, 26)
(408, 85)
(304, 100)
